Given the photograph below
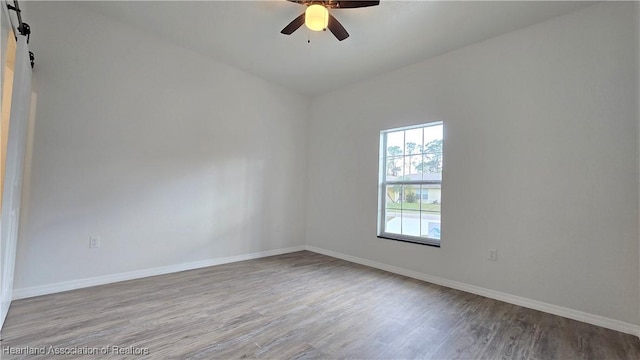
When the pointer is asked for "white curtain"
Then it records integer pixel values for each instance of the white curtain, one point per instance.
(18, 123)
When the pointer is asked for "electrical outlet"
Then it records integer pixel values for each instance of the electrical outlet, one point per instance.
(493, 254)
(94, 242)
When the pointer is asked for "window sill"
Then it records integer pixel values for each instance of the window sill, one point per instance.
(409, 241)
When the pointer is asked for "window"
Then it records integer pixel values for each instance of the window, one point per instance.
(411, 183)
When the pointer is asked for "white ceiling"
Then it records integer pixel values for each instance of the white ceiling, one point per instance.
(246, 34)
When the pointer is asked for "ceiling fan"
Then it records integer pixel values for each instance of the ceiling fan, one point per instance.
(317, 17)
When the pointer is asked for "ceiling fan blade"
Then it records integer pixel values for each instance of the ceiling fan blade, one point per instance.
(356, 4)
(294, 25)
(337, 29)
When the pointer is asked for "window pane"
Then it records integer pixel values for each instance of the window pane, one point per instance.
(431, 198)
(411, 222)
(411, 168)
(393, 197)
(428, 167)
(406, 160)
(392, 221)
(430, 211)
(395, 168)
(430, 225)
(395, 143)
(432, 149)
(431, 168)
(432, 136)
(412, 138)
(410, 210)
(410, 199)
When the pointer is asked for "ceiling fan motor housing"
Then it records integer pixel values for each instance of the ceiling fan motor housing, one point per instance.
(317, 16)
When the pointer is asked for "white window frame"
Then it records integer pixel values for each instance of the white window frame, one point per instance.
(383, 183)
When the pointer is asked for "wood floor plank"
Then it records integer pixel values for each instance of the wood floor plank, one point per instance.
(299, 306)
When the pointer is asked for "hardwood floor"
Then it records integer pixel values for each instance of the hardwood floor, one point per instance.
(299, 305)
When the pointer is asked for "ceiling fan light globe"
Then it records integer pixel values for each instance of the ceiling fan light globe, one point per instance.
(316, 17)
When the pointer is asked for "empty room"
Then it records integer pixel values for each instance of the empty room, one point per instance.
(320, 179)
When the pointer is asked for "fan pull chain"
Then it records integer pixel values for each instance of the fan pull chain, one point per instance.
(308, 37)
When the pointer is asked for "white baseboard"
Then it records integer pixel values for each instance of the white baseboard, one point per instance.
(4, 310)
(23, 293)
(508, 298)
(605, 322)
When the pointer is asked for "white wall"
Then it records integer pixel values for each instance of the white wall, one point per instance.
(541, 154)
(166, 155)
(171, 158)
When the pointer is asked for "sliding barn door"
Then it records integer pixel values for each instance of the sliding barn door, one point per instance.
(14, 169)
